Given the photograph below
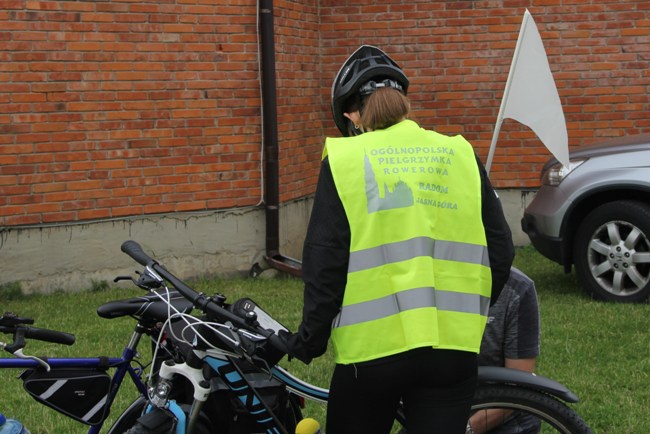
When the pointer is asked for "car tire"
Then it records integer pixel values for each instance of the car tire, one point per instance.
(611, 252)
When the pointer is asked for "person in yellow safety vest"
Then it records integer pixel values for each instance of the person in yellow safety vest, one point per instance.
(407, 246)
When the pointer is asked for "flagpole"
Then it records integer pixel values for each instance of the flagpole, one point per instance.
(497, 127)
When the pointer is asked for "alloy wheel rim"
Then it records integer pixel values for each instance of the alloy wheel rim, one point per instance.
(619, 258)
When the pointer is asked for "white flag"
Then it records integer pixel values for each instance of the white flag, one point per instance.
(530, 96)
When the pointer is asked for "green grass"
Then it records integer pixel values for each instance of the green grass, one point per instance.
(600, 351)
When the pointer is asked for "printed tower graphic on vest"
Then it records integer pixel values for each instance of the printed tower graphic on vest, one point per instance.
(400, 197)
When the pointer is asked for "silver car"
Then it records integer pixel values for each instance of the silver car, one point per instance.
(595, 214)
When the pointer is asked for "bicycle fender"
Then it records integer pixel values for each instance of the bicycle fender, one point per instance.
(499, 375)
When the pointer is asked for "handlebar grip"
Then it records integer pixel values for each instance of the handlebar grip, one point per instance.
(278, 343)
(134, 250)
(49, 336)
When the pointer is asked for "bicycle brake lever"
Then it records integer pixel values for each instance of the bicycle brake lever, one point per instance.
(119, 278)
(144, 281)
(19, 353)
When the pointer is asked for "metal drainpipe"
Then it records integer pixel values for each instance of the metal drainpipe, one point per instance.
(270, 140)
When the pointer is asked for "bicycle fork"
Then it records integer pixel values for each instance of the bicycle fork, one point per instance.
(232, 376)
(160, 394)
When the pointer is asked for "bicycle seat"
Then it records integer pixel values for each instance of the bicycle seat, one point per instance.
(149, 306)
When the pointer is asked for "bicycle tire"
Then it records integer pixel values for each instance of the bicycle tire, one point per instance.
(293, 413)
(553, 415)
(138, 428)
(127, 422)
(129, 417)
(203, 426)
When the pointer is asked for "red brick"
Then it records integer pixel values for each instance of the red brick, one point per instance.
(93, 194)
(93, 214)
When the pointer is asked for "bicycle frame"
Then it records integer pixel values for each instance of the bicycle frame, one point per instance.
(122, 366)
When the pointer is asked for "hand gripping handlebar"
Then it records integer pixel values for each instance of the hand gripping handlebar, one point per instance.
(202, 302)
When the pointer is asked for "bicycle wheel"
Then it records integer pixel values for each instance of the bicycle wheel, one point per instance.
(517, 410)
(169, 427)
(129, 417)
(293, 413)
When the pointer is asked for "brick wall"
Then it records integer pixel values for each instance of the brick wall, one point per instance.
(118, 108)
(458, 54)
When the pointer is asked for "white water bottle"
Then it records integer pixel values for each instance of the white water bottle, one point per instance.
(11, 426)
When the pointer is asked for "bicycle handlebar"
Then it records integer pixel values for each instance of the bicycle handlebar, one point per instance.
(22, 332)
(136, 253)
(49, 336)
(10, 323)
(134, 250)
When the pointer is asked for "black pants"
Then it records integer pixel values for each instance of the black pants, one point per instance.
(437, 387)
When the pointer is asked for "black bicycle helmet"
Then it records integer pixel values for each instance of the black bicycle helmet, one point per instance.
(370, 68)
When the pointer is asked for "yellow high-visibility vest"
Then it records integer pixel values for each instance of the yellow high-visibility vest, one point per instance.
(419, 272)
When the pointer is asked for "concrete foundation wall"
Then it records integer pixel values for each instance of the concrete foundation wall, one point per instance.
(75, 257)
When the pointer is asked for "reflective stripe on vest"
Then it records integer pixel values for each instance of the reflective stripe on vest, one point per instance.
(412, 299)
(421, 246)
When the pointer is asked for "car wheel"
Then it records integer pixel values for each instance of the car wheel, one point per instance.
(612, 252)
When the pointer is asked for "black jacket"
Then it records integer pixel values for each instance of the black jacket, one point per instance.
(327, 249)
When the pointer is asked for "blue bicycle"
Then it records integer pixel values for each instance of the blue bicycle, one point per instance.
(84, 389)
